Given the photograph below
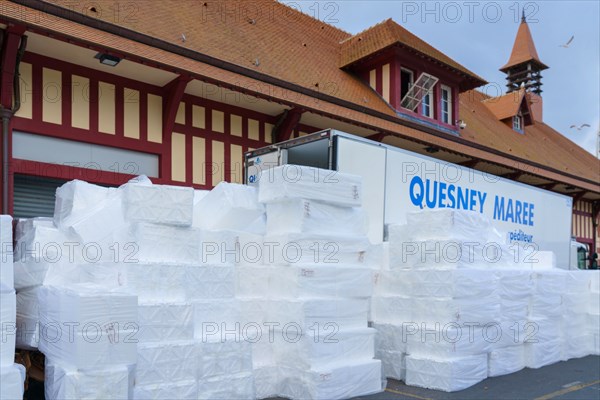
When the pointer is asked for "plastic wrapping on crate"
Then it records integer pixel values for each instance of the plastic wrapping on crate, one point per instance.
(453, 225)
(391, 309)
(76, 199)
(252, 280)
(300, 182)
(87, 327)
(551, 282)
(164, 321)
(47, 244)
(546, 305)
(159, 204)
(515, 284)
(12, 378)
(208, 282)
(114, 382)
(339, 381)
(453, 283)
(344, 313)
(8, 326)
(514, 310)
(213, 318)
(6, 253)
(317, 249)
(450, 341)
(229, 206)
(393, 282)
(506, 360)
(322, 345)
(542, 353)
(447, 254)
(166, 362)
(182, 390)
(448, 375)
(391, 337)
(577, 346)
(232, 386)
(400, 237)
(309, 216)
(100, 222)
(154, 282)
(267, 381)
(250, 248)
(164, 244)
(321, 281)
(445, 310)
(221, 358)
(393, 364)
(28, 319)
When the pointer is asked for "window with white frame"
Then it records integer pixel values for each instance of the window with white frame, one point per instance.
(517, 123)
(427, 105)
(446, 94)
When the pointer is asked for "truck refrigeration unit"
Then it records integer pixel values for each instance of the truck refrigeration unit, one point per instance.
(397, 181)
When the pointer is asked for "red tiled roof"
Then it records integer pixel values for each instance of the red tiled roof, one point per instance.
(505, 106)
(541, 150)
(540, 143)
(388, 33)
(523, 49)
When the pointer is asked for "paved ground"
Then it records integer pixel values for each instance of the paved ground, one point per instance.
(577, 379)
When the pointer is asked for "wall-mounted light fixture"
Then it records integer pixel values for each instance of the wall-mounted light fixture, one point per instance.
(107, 59)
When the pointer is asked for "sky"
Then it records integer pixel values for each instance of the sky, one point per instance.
(480, 36)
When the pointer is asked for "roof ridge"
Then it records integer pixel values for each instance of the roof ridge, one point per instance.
(311, 17)
(385, 21)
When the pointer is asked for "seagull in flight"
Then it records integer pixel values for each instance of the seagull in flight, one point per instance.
(566, 45)
(580, 127)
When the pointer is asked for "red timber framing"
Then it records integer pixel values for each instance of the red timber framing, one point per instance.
(255, 128)
(583, 227)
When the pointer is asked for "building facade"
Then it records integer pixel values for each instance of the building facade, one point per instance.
(179, 91)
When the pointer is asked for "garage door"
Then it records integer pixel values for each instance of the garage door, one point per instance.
(34, 196)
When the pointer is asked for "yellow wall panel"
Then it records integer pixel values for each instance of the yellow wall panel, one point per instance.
(268, 132)
(253, 129)
(52, 96)
(199, 161)
(80, 102)
(106, 108)
(236, 125)
(178, 157)
(154, 118)
(386, 82)
(199, 117)
(218, 121)
(373, 78)
(236, 163)
(180, 116)
(26, 87)
(218, 162)
(131, 104)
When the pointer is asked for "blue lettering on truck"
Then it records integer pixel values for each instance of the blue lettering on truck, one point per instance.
(435, 194)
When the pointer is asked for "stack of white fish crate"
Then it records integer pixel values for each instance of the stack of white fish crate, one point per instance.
(319, 284)
(12, 375)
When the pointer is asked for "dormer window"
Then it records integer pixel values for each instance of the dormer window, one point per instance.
(517, 122)
(427, 105)
(446, 94)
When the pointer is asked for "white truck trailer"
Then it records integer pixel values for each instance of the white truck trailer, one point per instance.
(397, 181)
